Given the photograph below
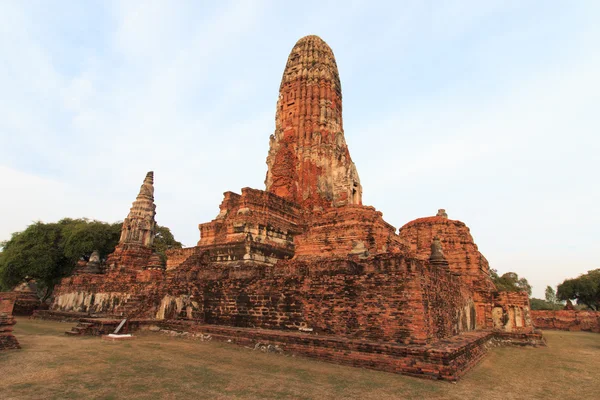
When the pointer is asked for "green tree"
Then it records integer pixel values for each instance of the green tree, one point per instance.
(49, 252)
(510, 282)
(82, 236)
(539, 304)
(36, 252)
(550, 295)
(585, 289)
(164, 240)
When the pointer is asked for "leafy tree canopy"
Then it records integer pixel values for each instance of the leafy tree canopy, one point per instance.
(47, 252)
(539, 304)
(550, 295)
(164, 241)
(510, 282)
(585, 289)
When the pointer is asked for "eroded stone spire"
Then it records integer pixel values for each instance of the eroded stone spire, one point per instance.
(309, 162)
(140, 227)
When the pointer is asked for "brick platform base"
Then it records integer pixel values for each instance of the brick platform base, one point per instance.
(446, 359)
(49, 315)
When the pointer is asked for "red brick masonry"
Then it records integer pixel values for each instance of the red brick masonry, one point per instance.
(7, 340)
(567, 320)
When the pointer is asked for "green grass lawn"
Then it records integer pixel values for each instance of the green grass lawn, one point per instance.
(54, 366)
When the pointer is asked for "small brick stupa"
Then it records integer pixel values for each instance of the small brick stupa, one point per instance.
(27, 299)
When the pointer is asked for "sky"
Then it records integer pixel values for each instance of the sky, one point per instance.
(489, 109)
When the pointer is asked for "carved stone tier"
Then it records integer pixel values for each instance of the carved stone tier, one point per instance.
(354, 230)
(129, 256)
(156, 262)
(309, 162)
(255, 226)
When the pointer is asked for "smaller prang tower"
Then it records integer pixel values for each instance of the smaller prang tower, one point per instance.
(138, 231)
(139, 228)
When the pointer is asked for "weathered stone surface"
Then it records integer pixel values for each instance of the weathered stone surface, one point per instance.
(309, 162)
(341, 231)
(156, 262)
(511, 312)
(459, 247)
(8, 341)
(567, 320)
(256, 227)
(92, 266)
(461, 257)
(387, 297)
(27, 299)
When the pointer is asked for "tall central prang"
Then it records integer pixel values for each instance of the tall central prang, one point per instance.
(309, 162)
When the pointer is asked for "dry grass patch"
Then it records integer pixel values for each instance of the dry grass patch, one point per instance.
(54, 366)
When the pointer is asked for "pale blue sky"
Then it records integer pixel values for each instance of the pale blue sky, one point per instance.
(486, 108)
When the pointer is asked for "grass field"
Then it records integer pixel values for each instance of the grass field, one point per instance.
(54, 366)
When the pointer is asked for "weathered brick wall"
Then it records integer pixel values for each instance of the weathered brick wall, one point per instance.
(256, 226)
(383, 298)
(129, 256)
(344, 230)
(448, 359)
(175, 257)
(458, 245)
(309, 162)
(511, 312)
(7, 340)
(463, 256)
(567, 320)
(253, 207)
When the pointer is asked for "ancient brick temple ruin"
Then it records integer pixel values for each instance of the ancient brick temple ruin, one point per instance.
(8, 341)
(304, 265)
(568, 319)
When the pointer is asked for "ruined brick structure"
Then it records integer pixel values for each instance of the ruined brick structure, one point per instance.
(26, 298)
(134, 251)
(567, 320)
(305, 265)
(8, 341)
(92, 266)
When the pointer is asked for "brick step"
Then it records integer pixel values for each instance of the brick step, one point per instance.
(79, 328)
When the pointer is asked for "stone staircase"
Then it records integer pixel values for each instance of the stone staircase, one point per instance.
(82, 329)
(132, 307)
(104, 326)
(99, 326)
